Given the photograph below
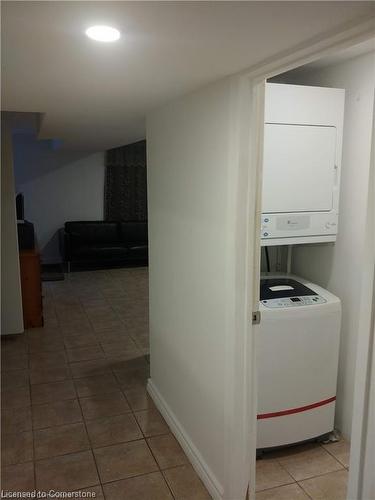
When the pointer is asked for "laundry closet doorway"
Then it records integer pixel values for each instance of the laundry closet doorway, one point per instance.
(358, 480)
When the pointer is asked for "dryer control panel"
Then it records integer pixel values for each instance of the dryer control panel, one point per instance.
(297, 228)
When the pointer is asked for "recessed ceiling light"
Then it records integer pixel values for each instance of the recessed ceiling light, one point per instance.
(103, 33)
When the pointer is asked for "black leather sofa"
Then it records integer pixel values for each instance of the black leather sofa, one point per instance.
(104, 243)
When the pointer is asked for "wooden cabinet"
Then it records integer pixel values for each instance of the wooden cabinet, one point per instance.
(31, 285)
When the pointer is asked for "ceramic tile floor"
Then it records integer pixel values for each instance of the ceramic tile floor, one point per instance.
(309, 471)
(76, 415)
(75, 412)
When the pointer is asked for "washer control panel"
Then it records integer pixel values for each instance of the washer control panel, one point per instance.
(305, 300)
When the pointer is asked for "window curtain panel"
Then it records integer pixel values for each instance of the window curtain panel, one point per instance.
(125, 187)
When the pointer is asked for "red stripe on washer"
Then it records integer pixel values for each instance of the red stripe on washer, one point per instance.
(296, 410)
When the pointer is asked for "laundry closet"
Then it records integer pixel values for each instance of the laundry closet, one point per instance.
(316, 167)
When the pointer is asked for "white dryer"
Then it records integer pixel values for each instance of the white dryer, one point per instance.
(298, 350)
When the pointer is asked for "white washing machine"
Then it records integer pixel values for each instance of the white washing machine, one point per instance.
(298, 351)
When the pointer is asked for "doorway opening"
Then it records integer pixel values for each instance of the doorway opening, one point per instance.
(316, 172)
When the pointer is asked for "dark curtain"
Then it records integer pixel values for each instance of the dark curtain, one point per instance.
(125, 189)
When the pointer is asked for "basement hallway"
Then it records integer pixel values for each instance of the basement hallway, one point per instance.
(75, 412)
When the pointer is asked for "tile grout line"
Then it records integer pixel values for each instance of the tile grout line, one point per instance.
(144, 436)
(152, 453)
(282, 486)
(306, 493)
(90, 442)
(135, 420)
(307, 478)
(31, 409)
(320, 475)
(333, 456)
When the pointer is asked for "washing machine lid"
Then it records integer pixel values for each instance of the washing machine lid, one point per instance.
(279, 288)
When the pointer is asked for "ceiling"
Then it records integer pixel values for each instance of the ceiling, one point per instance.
(296, 75)
(95, 96)
(344, 55)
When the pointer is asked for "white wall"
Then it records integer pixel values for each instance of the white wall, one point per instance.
(366, 427)
(338, 266)
(74, 191)
(362, 452)
(194, 234)
(11, 300)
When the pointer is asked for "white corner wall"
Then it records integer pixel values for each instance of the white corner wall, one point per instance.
(338, 266)
(11, 299)
(193, 183)
(74, 191)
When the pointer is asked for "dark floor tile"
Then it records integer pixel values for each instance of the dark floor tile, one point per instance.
(111, 336)
(151, 422)
(14, 362)
(17, 448)
(50, 358)
(167, 451)
(60, 440)
(113, 430)
(114, 348)
(8, 342)
(101, 325)
(95, 492)
(90, 368)
(44, 332)
(51, 321)
(16, 420)
(49, 373)
(80, 341)
(15, 398)
(57, 413)
(104, 405)
(66, 473)
(53, 391)
(148, 487)
(142, 341)
(185, 483)
(19, 477)
(15, 379)
(12, 350)
(133, 373)
(100, 384)
(85, 353)
(139, 399)
(45, 343)
(69, 316)
(82, 328)
(125, 460)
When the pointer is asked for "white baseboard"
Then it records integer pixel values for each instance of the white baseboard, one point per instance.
(204, 472)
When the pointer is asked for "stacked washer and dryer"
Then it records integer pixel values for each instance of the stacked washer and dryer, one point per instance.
(299, 333)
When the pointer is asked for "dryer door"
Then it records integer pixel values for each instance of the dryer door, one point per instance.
(298, 168)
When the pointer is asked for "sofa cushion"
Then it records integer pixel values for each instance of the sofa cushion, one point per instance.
(92, 232)
(133, 232)
(138, 252)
